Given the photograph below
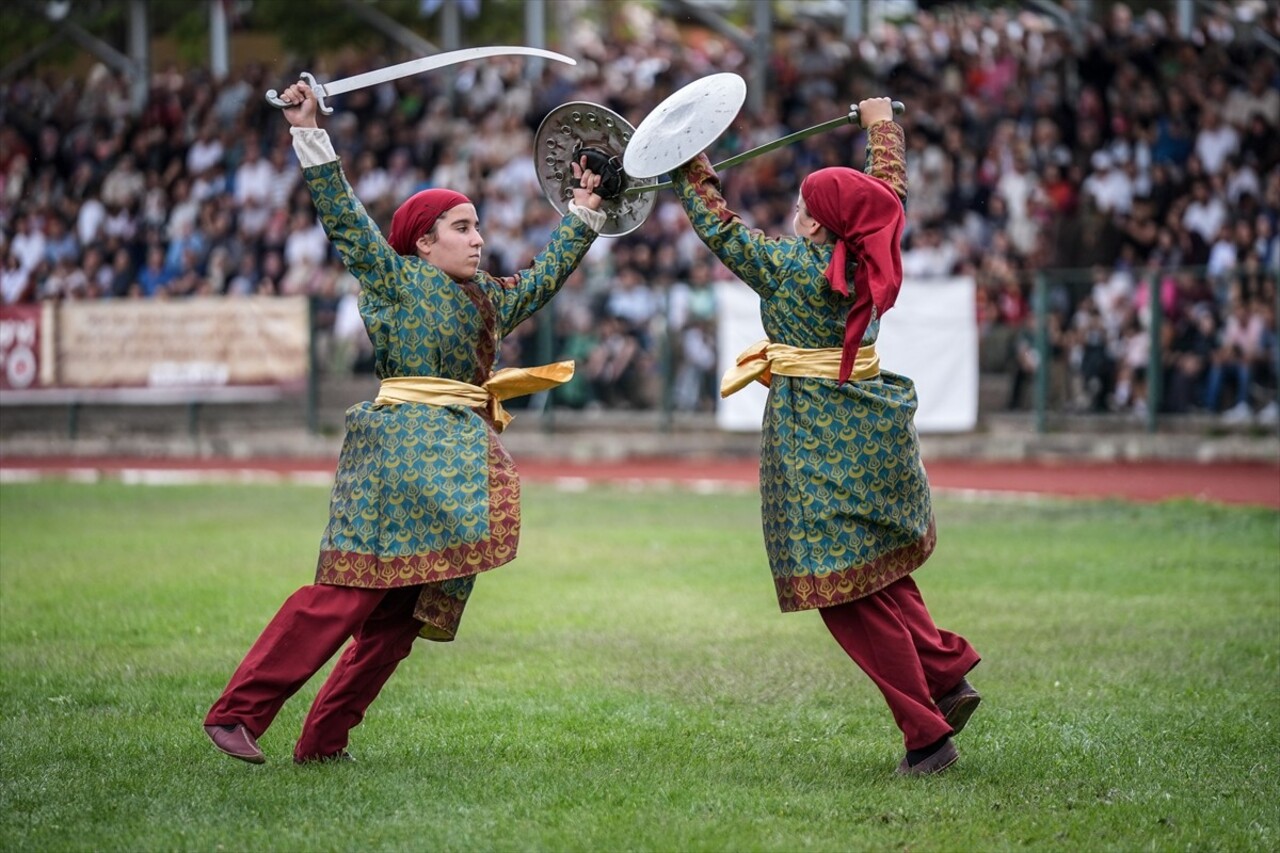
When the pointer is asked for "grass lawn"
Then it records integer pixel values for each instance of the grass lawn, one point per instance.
(628, 684)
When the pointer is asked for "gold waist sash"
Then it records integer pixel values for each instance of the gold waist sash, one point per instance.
(503, 385)
(763, 359)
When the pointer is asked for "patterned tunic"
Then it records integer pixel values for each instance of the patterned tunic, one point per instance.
(425, 495)
(844, 498)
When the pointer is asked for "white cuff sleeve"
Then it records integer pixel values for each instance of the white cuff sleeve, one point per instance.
(313, 146)
(594, 219)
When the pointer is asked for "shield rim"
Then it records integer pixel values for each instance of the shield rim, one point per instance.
(651, 152)
(553, 189)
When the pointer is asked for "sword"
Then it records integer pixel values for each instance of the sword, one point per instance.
(407, 69)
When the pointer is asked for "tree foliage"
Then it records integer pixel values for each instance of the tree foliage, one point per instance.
(303, 28)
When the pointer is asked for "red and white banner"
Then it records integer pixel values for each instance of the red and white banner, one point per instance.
(20, 336)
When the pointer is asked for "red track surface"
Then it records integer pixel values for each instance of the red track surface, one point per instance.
(1253, 483)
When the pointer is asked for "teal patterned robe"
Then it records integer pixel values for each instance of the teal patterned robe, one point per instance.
(845, 502)
(426, 495)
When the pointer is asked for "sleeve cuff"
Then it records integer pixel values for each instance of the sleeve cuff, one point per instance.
(313, 146)
(594, 219)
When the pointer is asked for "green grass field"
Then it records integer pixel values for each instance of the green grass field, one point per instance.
(628, 684)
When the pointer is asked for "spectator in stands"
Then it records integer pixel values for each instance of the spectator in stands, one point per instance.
(425, 497)
(1091, 358)
(1205, 213)
(1258, 97)
(244, 280)
(15, 282)
(1241, 349)
(615, 366)
(97, 273)
(155, 275)
(207, 150)
(187, 248)
(306, 245)
(254, 179)
(65, 281)
(1216, 141)
(1132, 358)
(61, 244)
(123, 186)
(1257, 144)
(1110, 189)
(694, 387)
(123, 274)
(576, 337)
(838, 433)
(1025, 360)
(634, 302)
(1188, 356)
(271, 274)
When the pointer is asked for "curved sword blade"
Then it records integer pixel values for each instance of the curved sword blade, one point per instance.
(437, 60)
(406, 69)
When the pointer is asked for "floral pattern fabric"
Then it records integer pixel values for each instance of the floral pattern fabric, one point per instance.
(845, 501)
(426, 495)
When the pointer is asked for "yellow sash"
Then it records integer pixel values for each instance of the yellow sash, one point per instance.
(763, 359)
(503, 385)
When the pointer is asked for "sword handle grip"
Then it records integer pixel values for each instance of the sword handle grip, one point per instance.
(274, 99)
(855, 116)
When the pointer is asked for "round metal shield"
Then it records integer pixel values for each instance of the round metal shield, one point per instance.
(582, 127)
(684, 125)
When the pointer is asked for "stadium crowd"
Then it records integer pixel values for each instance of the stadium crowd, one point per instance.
(1123, 162)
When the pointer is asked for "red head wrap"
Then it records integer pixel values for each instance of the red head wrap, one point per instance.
(865, 216)
(416, 216)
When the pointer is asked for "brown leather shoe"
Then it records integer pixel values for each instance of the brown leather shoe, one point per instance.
(936, 763)
(237, 742)
(958, 705)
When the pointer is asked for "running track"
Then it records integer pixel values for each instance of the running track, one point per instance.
(1246, 483)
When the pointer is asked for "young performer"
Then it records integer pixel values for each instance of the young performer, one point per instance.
(425, 497)
(846, 506)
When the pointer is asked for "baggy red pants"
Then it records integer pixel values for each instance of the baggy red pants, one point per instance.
(310, 627)
(892, 637)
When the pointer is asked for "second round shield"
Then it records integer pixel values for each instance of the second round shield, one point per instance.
(578, 128)
(684, 125)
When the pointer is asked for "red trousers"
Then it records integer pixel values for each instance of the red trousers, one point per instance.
(891, 636)
(310, 627)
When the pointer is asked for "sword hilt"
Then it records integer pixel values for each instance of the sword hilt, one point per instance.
(274, 99)
(855, 115)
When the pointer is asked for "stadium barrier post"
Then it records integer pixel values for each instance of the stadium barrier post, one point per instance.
(546, 355)
(1155, 364)
(666, 366)
(313, 379)
(1040, 304)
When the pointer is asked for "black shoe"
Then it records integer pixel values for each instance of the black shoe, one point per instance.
(936, 763)
(958, 705)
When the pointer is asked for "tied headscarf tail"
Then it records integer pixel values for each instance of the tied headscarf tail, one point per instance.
(865, 216)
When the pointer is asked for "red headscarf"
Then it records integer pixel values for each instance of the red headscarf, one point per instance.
(865, 216)
(416, 216)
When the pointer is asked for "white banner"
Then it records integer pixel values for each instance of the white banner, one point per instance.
(197, 342)
(930, 335)
(738, 327)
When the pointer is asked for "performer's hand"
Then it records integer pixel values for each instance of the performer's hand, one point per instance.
(584, 193)
(873, 110)
(303, 105)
